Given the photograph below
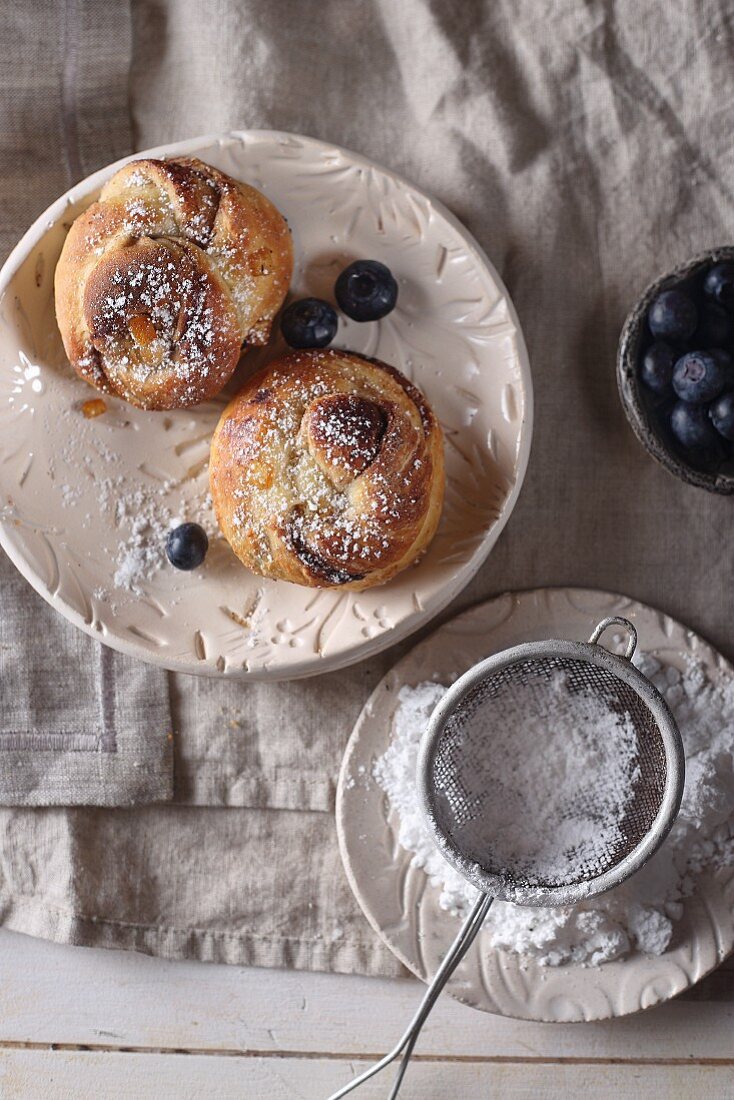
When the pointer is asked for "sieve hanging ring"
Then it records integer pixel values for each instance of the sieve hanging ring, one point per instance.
(617, 620)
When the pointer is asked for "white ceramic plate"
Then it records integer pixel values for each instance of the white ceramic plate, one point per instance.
(62, 477)
(401, 905)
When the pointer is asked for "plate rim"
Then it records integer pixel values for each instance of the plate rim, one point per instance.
(412, 622)
(342, 791)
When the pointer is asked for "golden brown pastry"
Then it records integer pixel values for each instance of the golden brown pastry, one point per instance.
(327, 470)
(163, 280)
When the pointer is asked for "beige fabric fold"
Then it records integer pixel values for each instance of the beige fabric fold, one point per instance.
(79, 724)
(588, 146)
(258, 887)
(269, 745)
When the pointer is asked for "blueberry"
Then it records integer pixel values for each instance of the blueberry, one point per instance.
(309, 323)
(722, 415)
(186, 546)
(719, 284)
(692, 427)
(672, 316)
(715, 327)
(699, 376)
(366, 290)
(656, 370)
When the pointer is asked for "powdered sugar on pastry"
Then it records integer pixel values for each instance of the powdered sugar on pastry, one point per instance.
(163, 280)
(327, 470)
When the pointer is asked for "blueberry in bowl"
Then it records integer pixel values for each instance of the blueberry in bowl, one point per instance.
(718, 284)
(700, 376)
(722, 415)
(656, 366)
(691, 425)
(672, 315)
(675, 370)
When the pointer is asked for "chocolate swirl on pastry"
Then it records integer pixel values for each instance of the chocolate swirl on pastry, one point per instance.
(327, 470)
(162, 282)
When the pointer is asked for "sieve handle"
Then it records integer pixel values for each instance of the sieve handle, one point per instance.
(616, 620)
(464, 939)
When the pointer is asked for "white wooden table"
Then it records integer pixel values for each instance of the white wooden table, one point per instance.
(83, 1024)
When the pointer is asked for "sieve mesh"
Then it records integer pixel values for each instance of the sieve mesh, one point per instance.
(506, 697)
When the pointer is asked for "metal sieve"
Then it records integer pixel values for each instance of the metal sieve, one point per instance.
(504, 689)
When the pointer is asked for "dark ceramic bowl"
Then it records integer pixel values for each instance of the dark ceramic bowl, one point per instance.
(643, 410)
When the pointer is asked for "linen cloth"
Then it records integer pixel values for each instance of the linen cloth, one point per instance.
(78, 722)
(588, 146)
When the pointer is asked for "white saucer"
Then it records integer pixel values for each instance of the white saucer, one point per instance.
(398, 900)
(454, 332)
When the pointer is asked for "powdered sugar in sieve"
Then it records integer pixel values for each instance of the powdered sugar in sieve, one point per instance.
(542, 777)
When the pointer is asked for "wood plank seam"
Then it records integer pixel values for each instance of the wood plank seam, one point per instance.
(361, 1056)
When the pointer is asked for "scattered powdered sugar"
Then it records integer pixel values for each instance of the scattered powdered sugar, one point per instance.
(70, 494)
(544, 798)
(141, 508)
(144, 519)
(638, 914)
